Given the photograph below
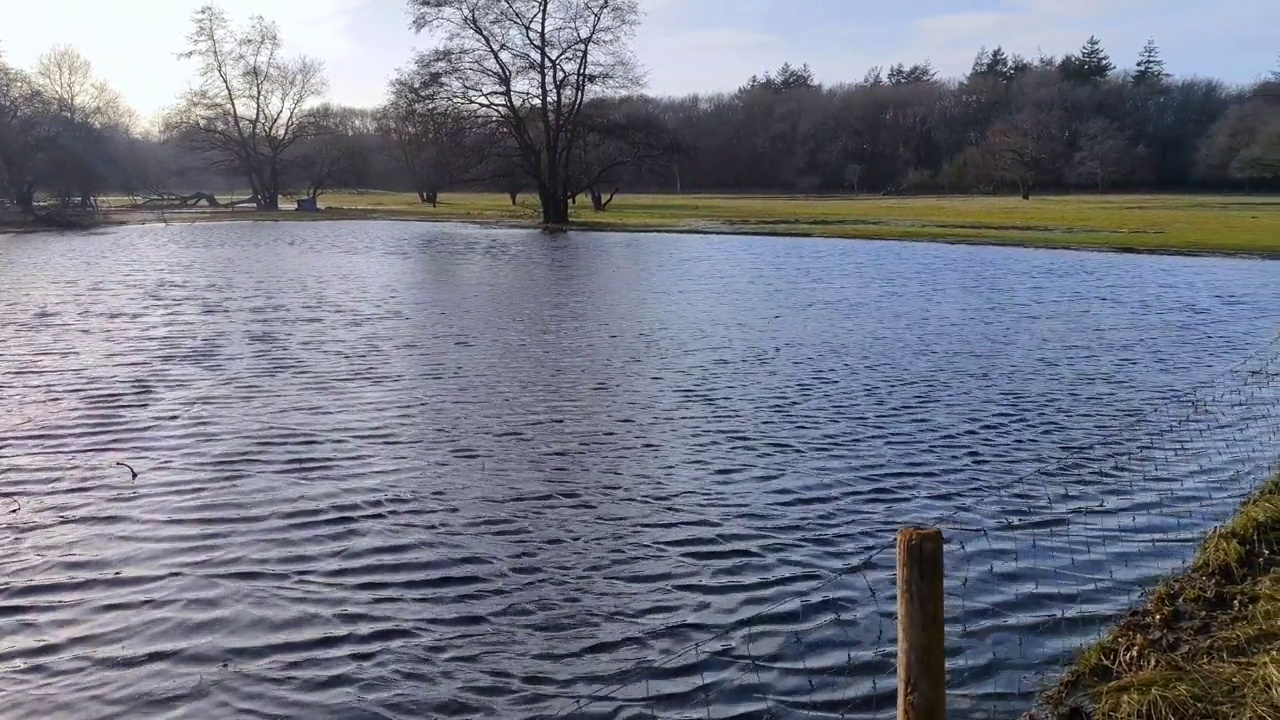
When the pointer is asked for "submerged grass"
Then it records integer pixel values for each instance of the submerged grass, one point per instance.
(1153, 223)
(1205, 644)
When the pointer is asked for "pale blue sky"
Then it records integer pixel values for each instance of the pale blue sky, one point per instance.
(686, 45)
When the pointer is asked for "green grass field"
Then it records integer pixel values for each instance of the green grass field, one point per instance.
(1171, 223)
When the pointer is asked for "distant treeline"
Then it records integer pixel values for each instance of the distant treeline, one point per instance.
(1011, 124)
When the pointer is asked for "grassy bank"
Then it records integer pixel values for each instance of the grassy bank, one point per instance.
(1156, 223)
(1204, 645)
(1200, 223)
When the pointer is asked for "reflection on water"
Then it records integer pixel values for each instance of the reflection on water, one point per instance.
(392, 470)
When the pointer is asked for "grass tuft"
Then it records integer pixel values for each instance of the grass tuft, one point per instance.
(1205, 644)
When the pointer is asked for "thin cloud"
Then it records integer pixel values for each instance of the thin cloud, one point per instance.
(721, 39)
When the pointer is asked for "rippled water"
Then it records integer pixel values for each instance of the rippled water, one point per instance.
(397, 470)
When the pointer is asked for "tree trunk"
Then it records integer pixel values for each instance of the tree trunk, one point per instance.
(513, 196)
(432, 197)
(273, 193)
(599, 202)
(555, 207)
(553, 193)
(194, 199)
(255, 188)
(560, 214)
(265, 184)
(24, 196)
(261, 190)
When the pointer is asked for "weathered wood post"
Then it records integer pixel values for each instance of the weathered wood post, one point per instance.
(922, 670)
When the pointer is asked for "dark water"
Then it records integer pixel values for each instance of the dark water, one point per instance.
(407, 471)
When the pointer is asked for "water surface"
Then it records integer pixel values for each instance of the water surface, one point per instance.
(398, 470)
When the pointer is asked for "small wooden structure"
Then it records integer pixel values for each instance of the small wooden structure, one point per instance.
(922, 671)
(308, 204)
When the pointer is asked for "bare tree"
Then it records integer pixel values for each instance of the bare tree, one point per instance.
(853, 173)
(972, 169)
(1260, 161)
(335, 156)
(91, 127)
(618, 135)
(480, 116)
(528, 67)
(506, 173)
(1244, 144)
(431, 140)
(251, 103)
(26, 134)
(1104, 155)
(1026, 148)
(67, 79)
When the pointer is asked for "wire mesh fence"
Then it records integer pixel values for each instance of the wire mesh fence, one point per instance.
(1037, 566)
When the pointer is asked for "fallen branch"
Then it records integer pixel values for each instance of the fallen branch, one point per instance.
(169, 200)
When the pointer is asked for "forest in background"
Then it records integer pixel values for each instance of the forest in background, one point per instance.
(256, 118)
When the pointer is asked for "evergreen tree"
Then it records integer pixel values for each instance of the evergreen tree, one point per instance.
(898, 74)
(1091, 65)
(980, 61)
(1150, 68)
(1019, 65)
(997, 64)
(1095, 61)
(918, 73)
(787, 77)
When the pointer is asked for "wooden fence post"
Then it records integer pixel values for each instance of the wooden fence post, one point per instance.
(922, 670)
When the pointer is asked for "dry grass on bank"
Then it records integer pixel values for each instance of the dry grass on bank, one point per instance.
(1204, 645)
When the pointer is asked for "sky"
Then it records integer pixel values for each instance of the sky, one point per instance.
(686, 46)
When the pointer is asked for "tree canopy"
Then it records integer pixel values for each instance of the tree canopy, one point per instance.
(1150, 68)
(527, 69)
(541, 96)
(251, 103)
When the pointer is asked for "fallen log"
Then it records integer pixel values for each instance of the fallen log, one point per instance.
(172, 200)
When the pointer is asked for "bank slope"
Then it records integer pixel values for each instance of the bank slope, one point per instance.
(1205, 644)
